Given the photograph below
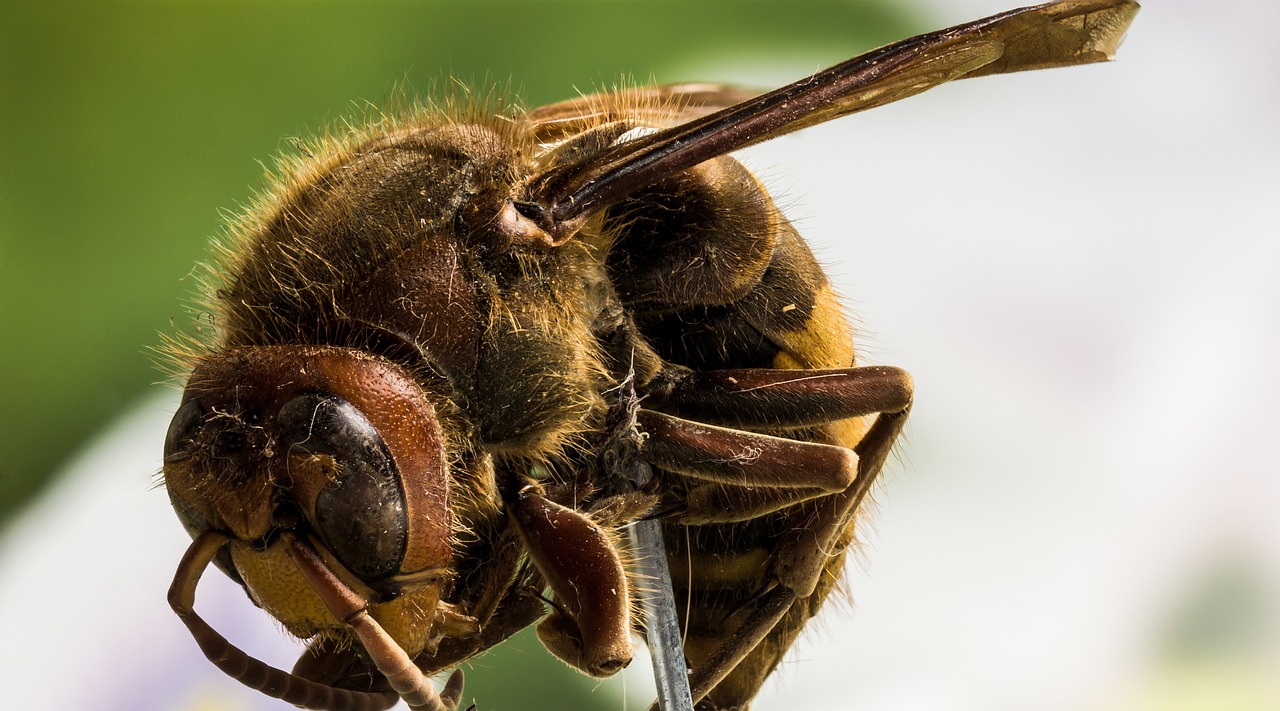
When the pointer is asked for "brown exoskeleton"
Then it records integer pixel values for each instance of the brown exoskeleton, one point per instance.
(409, 422)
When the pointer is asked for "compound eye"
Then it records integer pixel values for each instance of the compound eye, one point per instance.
(180, 445)
(337, 456)
(183, 428)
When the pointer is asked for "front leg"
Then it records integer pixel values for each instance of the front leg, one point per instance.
(590, 628)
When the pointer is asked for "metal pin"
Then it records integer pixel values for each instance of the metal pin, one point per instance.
(670, 671)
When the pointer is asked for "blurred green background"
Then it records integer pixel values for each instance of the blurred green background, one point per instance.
(128, 129)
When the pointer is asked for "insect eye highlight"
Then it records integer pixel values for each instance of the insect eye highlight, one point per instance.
(345, 477)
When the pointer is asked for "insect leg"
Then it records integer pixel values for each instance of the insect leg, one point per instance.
(766, 614)
(726, 658)
(801, 556)
(811, 546)
(729, 503)
(796, 566)
(761, 398)
(771, 397)
(591, 626)
(743, 458)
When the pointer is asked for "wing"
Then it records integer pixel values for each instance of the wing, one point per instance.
(658, 106)
(1053, 35)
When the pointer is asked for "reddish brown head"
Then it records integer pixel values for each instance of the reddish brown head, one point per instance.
(335, 448)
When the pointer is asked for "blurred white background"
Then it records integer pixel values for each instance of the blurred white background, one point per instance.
(1081, 269)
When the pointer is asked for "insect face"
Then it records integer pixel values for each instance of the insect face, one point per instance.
(338, 450)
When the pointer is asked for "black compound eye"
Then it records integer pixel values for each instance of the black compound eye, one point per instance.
(183, 428)
(360, 509)
(179, 444)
